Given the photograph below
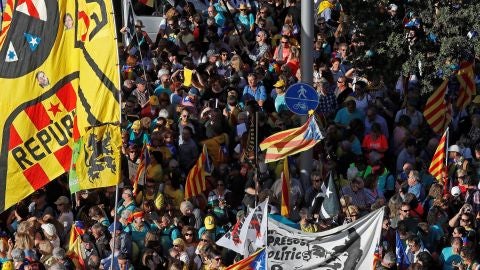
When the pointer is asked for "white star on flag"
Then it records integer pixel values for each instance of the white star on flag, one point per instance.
(11, 54)
(33, 41)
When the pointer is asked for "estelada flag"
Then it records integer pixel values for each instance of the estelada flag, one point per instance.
(257, 260)
(285, 206)
(59, 76)
(292, 141)
(196, 182)
(74, 245)
(437, 166)
(96, 159)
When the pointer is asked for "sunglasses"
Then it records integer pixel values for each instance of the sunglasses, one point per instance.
(465, 220)
(189, 234)
(204, 240)
(405, 211)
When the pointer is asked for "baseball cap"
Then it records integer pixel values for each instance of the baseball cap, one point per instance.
(49, 229)
(279, 83)
(62, 200)
(209, 222)
(455, 191)
(454, 148)
(118, 226)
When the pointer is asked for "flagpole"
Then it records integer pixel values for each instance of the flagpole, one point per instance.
(256, 157)
(120, 124)
(447, 182)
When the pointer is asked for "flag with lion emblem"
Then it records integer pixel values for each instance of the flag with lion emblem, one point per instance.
(59, 76)
(96, 159)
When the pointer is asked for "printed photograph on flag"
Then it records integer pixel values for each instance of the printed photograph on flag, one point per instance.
(96, 159)
(345, 247)
(64, 69)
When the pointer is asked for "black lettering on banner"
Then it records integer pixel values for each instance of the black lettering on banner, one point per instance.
(32, 149)
(37, 145)
(64, 139)
(44, 139)
(67, 123)
(20, 157)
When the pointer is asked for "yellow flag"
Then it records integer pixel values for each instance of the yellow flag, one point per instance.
(59, 75)
(187, 76)
(96, 159)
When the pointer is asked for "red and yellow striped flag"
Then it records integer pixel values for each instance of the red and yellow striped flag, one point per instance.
(285, 207)
(74, 246)
(292, 141)
(436, 111)
(195, 183)
(437, 167)
(468, 89)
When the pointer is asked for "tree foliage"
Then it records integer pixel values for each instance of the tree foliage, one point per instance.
(441, 42)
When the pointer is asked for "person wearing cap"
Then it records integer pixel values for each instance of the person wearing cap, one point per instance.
(141, 92)
(245, 17)
(280, 103)
(138, 228)
(137, 135)
(51, 234)
(163, 76)
(458, 161)
(190, 101)
(124, 244)
(65, 214)
(139, 35)
(346, 114)
(215, 232)
(184, 37)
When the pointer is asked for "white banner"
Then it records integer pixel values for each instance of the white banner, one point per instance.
(243, 238)
(349, 246)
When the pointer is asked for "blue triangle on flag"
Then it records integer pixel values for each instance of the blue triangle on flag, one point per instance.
(32, 40)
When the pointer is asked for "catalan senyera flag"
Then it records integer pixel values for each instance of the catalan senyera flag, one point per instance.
(436, 111)
(96, 159)
(195, 182)
(438, 166)
(74, 245)
(285, 206)
(59, 75)
(292, 141)
(257, 260)
(468, 89)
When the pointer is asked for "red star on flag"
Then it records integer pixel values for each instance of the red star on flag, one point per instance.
(54, 109)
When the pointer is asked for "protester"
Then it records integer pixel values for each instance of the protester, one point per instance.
(220, 82)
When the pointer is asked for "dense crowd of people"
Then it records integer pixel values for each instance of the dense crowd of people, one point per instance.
(215, 67)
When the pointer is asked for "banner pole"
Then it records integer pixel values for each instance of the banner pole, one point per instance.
(120, 124)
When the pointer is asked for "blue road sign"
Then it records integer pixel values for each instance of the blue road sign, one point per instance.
(301, 98)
